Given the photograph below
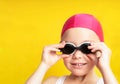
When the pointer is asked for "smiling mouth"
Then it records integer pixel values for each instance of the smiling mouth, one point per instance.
(78, 65)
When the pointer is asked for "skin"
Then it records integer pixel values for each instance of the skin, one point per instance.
(83, 72)
(80, 65)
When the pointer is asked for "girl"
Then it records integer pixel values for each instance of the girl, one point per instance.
(82, 46)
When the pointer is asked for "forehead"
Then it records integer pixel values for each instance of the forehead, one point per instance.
(79, 35)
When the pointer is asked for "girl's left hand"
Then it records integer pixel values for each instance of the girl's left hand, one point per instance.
(101, 54)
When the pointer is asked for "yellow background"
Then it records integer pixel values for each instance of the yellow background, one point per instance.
(26, 26)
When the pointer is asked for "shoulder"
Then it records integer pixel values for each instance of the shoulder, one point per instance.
(50, 80)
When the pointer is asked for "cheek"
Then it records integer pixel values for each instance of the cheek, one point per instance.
(92, 58)
(67, 60)
(91, 65)
(90, 61)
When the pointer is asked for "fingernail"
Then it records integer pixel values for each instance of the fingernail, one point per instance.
(91, 44)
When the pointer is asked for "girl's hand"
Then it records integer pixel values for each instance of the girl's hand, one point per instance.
(101, 55)
(49, 56)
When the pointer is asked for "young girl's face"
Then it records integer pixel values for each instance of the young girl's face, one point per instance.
(79, 63)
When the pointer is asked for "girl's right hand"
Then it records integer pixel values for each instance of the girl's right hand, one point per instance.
(49, 56)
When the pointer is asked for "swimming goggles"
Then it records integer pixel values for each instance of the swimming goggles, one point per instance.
(69, 48)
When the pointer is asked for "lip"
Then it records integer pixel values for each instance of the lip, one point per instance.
(78, 65)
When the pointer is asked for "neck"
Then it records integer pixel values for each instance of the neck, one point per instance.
(88, 77)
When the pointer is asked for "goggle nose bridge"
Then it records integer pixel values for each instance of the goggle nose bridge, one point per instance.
(77, 48)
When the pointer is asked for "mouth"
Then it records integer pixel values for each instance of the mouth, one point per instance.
(78, 65)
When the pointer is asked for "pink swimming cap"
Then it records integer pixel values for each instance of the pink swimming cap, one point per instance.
(84, 21)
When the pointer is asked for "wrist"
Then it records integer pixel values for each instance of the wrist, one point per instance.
(105, 69)
(103, 66)
(44, 66)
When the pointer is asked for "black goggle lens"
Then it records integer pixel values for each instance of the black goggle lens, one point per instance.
(69, 48)
(84, 48)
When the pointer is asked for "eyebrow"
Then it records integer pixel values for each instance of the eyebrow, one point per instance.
(77, 44)
(86, 41)
(80, 43)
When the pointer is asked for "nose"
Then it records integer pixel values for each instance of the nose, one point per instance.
(78, 54)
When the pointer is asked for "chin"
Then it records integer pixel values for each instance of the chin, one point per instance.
(79, 74)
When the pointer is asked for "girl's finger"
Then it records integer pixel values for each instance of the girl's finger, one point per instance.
(60, 45)
(64, 56)
(55, 49)
(98, 54)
